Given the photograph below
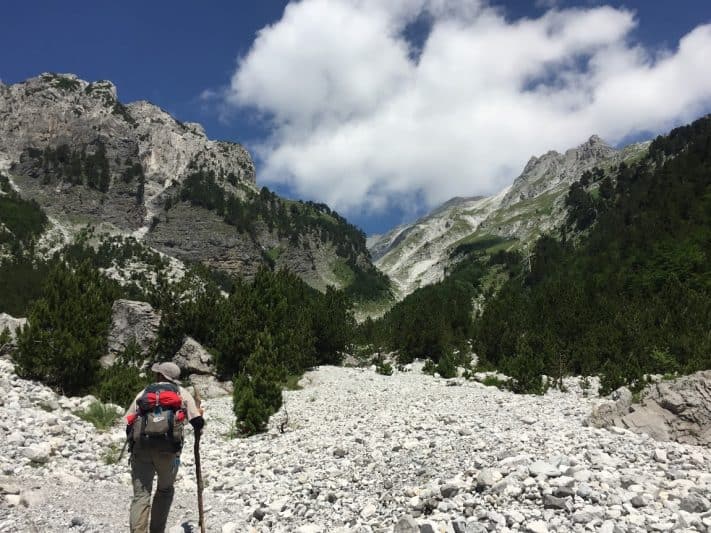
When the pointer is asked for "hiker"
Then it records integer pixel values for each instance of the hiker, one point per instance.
(154, 428)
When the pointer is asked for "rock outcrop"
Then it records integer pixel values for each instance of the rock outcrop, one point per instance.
(192, 358)
(610, 412)
(677, 410)
(131, 322)
(52, 110)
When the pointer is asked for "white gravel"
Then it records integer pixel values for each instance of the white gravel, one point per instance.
(361, 453)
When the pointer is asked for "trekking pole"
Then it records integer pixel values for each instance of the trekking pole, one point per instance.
(198, 472)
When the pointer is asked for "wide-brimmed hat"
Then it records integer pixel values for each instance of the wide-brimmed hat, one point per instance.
(169, 371)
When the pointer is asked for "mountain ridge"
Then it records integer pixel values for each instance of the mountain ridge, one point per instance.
(418, 254)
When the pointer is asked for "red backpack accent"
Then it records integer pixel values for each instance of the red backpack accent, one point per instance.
(167, 399)
(159, 416)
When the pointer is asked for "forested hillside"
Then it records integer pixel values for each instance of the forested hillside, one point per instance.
(623, 290)
(634, 296)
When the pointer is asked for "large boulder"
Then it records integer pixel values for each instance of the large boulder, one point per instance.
(677, 410)
(192, 358)
(609, 412)
(210, 386)
(131, 322)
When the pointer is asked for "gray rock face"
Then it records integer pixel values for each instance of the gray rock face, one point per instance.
(609, 412)
(54, 109)
(551, 169)
(148, 158)
(678, 410)
(209, 387)
(192, 358)
(131, 322)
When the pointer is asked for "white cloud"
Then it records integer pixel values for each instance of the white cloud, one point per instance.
(360, 124)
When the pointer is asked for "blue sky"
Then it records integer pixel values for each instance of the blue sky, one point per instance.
(184, 58)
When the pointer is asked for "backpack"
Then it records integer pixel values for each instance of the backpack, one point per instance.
(160, 417)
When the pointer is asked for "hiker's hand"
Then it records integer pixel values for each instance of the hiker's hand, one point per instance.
(202, 411)
(198, 423)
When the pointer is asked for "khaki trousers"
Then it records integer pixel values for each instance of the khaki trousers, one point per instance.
(145, 464)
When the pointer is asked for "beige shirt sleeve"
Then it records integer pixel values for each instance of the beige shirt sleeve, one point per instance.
(189, 404)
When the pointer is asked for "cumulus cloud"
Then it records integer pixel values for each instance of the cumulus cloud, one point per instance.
(362, 123)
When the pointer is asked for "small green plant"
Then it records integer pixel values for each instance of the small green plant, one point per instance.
(292, 382)
(111, 454)
(4, 339)
(494, 381)
(663, 361)
(585, 382)
(232, 432)
(447, 366)
(429, 367)
(384, 368)
(101, 415)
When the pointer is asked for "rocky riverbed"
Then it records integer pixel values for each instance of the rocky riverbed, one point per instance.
(363, 453)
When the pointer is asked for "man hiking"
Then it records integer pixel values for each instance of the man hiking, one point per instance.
(154, 429)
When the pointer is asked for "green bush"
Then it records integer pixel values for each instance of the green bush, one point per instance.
(257, 390)
(102, 416)
(4, 338)
(493, 381)
(292, 382)
(119, 384)
(384, 368)
(429, 367)
(252, 414)
(447, 366)
(67, 330)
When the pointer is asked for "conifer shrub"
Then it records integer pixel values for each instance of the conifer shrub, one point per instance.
(120, 382)
(429, 367)
(447, 366)
(384, 368)
(67, 329)
(257, 390)
(4, 340)
(526, 371)
(252, 414)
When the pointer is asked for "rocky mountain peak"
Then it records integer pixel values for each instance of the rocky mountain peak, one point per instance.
(554, 169)
(63, 112)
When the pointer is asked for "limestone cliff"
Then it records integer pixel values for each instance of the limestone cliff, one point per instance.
(132, 168)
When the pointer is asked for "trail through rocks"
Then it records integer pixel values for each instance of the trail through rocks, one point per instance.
(363, 453)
